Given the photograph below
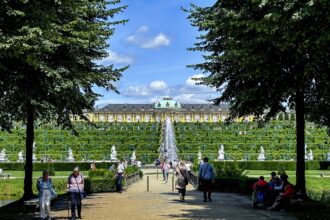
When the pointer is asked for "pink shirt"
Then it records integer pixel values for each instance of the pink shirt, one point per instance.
(75, 184)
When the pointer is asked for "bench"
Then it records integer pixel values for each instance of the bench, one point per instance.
(4, 175)
(325, 174)
(33, 204)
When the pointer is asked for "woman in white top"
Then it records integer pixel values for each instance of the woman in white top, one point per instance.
(75, 186)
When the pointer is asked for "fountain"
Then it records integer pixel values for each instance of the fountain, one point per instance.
(168, 149)
(261, 156)
(221, 153)
(113, 156)
(20, 156)
(3, 157)
(70, 157)
(133, 157)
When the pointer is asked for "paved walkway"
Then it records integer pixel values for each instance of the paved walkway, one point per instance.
(163, 203)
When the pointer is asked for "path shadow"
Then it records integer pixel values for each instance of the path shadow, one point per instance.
(223, 206)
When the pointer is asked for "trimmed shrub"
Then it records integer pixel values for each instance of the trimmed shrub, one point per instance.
(241, 184)
(54, 166)
(263, 165)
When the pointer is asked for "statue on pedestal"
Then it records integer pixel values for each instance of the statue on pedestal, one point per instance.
(261, 156)
(34, 157)
(310, 155)
(221, 153)
(133, 157)
(70, 157)
(3, 157)
(20, 156)
(199, 157)
(306, 155)
(113, 155)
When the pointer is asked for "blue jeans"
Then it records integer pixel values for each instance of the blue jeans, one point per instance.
(75, 201)
(119, 187)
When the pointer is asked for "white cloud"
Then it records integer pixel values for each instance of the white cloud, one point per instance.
(191, 82)
(158, 41)
(114, 57)
(193, 98)
(143, 29)
(143, 40)
(158, 85)
(136, 91)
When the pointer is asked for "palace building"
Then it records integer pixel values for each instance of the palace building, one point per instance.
(159, 111)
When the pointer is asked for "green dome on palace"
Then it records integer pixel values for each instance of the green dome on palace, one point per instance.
(167, 102)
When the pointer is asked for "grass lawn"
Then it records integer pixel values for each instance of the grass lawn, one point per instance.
(11, 189)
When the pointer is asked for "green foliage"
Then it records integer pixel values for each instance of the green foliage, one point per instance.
(263, 56)
(234, 184)
(55, 166)
(48, 62)
(262, 165)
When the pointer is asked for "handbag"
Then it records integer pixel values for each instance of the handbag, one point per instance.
(185, 179)
(81, 193)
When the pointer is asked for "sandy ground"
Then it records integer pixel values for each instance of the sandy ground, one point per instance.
(160, 202)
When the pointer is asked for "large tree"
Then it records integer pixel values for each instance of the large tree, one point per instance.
(48, 62)
(264, 56)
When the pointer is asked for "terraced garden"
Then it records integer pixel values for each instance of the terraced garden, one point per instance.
(241, 140)
(93, 143)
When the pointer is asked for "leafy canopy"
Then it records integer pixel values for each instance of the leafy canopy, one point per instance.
(259, 53)
(48, 57)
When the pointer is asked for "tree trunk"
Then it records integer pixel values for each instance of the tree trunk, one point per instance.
(300, 135)
(28, 192)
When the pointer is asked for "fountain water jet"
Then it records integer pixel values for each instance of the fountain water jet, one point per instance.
(168, 149)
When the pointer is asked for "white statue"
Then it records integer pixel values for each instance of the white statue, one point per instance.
(3, 155)
(70, 157)
(221, 153)
(328, 159)
(261, 156)
(310, 155)
(20, 156)
(133, 157)
(306, 155)
(200, 157)
(113, 155)
(34, 148)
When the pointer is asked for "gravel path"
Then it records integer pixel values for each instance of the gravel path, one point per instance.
(163, 203)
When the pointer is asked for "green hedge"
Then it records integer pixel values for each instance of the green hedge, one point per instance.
(264, 165)
(241, 184)
(54, 166)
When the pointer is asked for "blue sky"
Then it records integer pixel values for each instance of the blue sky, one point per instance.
(154, 43)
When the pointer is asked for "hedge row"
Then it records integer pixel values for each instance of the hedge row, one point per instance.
(264, 165)
(55, 166)
(234, 184)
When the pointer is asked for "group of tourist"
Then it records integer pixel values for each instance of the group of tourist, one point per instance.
(75, 189)
(276, 193)
(183, 176)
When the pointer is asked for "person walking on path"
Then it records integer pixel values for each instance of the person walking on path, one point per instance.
(206, 177)
(120, 175)
(182, 180)
(75, 186)
(45, 193)
(166, 168)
